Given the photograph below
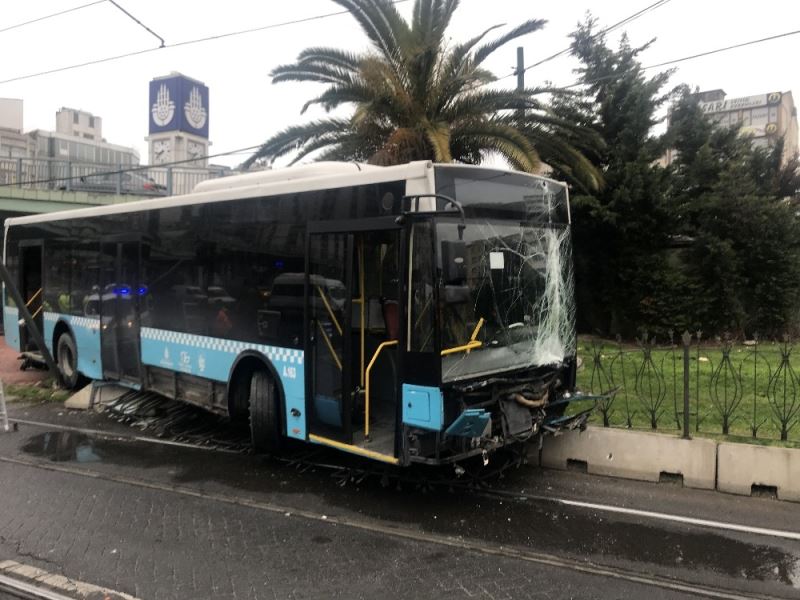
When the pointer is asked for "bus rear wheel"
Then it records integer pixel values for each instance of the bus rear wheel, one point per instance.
(265, 430)
(67, 361)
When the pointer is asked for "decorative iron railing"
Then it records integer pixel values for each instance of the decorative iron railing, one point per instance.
(722, 386)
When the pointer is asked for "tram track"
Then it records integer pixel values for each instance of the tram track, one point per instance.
(489, 549)
(348, 473)
(306, 461)
(24, 590)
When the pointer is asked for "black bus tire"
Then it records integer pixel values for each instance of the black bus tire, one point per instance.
(67, 361)
(265, 429)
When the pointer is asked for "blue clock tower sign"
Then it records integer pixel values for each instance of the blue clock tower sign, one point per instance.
(179, 116)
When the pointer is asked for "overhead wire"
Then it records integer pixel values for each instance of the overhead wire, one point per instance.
(50, 16)
(209, 38)
(610, 28)
(138, 22)
(686, 58)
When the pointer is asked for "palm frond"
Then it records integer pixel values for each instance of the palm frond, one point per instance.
(527, 27)
(310, 72)
(330, 56)
(414, 96)
(382, 24)
(492, 135)
(293, 138)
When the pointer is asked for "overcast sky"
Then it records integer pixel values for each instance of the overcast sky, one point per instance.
(246, 108)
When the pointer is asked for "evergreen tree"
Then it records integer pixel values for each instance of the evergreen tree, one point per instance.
(733, 201)
(622, 232)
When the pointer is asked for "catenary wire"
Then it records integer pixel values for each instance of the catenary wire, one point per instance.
(610, 28)
(685, 58)
(138, 22)
(179, 44)
(50, 16)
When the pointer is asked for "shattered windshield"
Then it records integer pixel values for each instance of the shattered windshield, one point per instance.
(509, 303)
(506, 294)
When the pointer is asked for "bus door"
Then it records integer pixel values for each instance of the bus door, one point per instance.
(121, 293)
(352, 322)
(30, 288)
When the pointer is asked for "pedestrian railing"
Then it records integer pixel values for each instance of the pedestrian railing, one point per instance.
(52, 174)
(722, 386)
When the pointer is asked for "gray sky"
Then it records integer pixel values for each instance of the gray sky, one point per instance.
(246, 108)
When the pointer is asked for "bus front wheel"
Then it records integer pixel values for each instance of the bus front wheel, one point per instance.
(265, 432)
(67, 358)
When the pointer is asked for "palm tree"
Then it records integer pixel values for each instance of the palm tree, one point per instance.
(418, 97)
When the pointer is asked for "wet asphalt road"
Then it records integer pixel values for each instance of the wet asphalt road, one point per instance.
(166, 522)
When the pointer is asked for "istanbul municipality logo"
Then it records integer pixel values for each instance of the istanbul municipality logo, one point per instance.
(195, 113)
(163, 109)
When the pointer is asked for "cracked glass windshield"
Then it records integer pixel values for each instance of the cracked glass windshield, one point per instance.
(505, 286)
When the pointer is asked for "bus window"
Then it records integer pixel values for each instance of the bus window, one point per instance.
(420, 289)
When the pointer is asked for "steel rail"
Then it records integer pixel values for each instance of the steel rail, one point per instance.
(22, 589)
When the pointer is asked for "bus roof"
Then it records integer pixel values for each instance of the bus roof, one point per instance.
(310, 177)
(315, 176)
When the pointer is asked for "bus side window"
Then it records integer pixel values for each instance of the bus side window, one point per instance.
(421, 298)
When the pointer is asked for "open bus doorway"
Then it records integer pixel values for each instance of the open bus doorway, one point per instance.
(353, 316)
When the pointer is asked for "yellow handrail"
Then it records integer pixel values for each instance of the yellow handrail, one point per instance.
(39, 291)
(330, 310)
(465, 348)
(476, 331)
(366, 391)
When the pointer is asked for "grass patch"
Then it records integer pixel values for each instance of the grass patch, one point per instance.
(39, 392)
(750, 386)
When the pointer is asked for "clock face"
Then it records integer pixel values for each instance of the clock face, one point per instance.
(195, 150)
(162, 151)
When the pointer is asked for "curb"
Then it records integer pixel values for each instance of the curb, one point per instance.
(606, 451)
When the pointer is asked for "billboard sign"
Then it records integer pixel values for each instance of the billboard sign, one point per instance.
(740, 103)
(178, 103)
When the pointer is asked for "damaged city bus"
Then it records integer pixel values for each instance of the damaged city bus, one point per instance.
(415, 313)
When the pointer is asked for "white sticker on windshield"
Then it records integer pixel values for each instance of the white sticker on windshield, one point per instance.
(497, 260)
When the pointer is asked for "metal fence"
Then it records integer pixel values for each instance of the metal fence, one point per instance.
(721, 386)
(51, 174)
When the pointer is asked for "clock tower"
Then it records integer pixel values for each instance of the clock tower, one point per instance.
(178, 117)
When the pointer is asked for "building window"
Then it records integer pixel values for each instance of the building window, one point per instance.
(91, 122)
(75, 118)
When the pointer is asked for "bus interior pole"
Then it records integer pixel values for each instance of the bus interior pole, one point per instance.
(29, 322)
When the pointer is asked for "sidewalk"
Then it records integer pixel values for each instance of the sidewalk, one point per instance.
(9, 367)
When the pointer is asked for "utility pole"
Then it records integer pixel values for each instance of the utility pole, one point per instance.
(520, 73)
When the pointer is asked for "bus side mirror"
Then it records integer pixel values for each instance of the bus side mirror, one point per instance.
(454, 262)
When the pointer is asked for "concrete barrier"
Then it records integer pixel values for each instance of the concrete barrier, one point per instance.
(80, 399)
(103, 394)
(634, 455)
(742, 466)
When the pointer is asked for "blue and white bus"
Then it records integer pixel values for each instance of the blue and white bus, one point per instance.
(414, 313)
